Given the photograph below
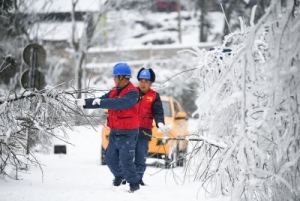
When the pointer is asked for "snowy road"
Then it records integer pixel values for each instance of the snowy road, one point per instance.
(78, 176)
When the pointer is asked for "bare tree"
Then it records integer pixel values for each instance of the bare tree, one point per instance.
(204, 24)
(34, 116)
(179, 20)
(81, 45)
(203, 21)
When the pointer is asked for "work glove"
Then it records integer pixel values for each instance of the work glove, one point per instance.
(96, 101)
(80, 102)
(164, 129)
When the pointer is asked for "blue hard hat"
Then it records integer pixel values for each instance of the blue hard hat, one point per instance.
(145, 74)
(122, 69)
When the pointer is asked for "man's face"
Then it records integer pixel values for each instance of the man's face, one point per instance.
(116, 80)
(145, 85)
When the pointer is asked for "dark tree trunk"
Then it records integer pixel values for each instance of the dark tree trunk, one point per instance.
(203, 26)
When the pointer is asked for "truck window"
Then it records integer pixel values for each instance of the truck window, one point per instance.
(167, 108)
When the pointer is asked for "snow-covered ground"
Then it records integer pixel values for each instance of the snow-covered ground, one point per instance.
(78, 175)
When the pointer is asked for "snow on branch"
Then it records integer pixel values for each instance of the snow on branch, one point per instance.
(250, 100)
(29, 119)
(214, 142)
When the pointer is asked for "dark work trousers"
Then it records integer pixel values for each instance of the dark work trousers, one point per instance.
(120, 155)
(141, 153)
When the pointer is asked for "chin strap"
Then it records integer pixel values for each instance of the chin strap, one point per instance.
(120, 80)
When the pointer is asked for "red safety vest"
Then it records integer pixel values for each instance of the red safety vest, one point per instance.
(145, 109)
(123, 119)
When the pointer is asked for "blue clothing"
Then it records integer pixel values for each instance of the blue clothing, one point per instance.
(120, 151)
(141, 150)
(158, 111)
(127, 101)
(120, 155)
(141, 154)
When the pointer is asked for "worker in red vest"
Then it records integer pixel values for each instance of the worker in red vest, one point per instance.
(150, 107)
(123, 121)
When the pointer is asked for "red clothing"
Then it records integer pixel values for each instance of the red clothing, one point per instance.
(145, 109)
(125, 119)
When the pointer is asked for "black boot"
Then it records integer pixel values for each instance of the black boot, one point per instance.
(141, 182)
(118, 181)
(134, 187)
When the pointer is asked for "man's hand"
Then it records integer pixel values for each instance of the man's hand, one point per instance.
(79, 102)
(164, 129)
(96, 101)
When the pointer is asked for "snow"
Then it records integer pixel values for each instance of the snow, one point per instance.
(79, 176)
(7, 135)
(164, 27)
(228, 110)
(56, 31)
(46, 6)
(154, 47)
(121, 28)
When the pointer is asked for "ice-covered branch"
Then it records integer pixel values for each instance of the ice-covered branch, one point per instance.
(249, 99)
(29, 118)
(214, 142)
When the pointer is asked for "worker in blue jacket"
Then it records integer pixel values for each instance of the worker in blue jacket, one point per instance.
(150, 107)
(123, 121)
